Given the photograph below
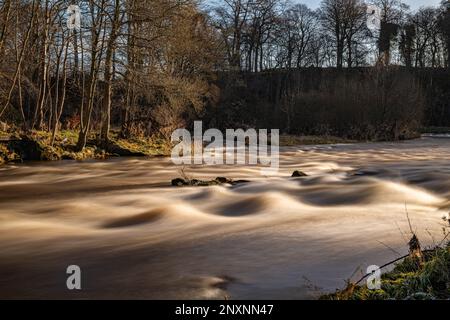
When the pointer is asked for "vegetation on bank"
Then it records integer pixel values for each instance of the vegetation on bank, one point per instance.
(436, 130)
(17, 146)
(420, 275)
(37, 146)
(408, 280)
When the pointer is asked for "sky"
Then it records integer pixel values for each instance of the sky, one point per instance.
(414, 4)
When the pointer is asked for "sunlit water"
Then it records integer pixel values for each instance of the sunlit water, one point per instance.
(135, 236)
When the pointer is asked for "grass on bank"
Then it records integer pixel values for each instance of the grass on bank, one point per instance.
(407, 281)
(37, 146)
(420, 275)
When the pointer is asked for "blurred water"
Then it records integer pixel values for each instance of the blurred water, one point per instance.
(135, 236)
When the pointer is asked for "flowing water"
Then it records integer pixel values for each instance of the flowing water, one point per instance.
(135, 236)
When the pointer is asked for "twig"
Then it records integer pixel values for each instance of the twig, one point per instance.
(389, 263)
(431, 236)
(359, 268)
(409, 220)
(401, 232)
(392, 249)
(445, 238)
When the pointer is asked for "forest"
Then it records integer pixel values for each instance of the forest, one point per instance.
(142, 68)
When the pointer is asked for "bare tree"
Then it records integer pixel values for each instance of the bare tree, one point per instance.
(355, 17)
(97, 20)
(21, 57)
(230, 18)
(298, 26)
(334, 22)
(444, 27)
(116, 22)
(425, 22)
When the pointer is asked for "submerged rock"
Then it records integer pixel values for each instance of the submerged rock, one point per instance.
(298, 173)
(365, 172)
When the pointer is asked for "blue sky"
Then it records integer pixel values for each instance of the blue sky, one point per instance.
(414, 4)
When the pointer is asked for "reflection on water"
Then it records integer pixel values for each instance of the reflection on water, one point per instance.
(134, 236)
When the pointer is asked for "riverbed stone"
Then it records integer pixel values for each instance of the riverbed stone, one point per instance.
(298, 173)
(178, 182)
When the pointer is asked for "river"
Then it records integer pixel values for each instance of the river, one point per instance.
(135, 236)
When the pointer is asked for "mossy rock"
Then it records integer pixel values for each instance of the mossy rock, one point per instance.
(27, 148)
(120, 150)
(35, 149)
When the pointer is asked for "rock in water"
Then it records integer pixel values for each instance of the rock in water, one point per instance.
(223, 180)
(204, 183)
(298, 173)
(179, 182)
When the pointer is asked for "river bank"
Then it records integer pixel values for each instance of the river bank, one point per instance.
(37, 146)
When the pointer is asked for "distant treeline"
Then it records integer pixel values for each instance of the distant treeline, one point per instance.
(374, 103)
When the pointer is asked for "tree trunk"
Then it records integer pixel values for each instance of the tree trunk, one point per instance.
(106, 105)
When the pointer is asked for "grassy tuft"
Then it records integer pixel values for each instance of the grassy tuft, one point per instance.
(408, 281)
